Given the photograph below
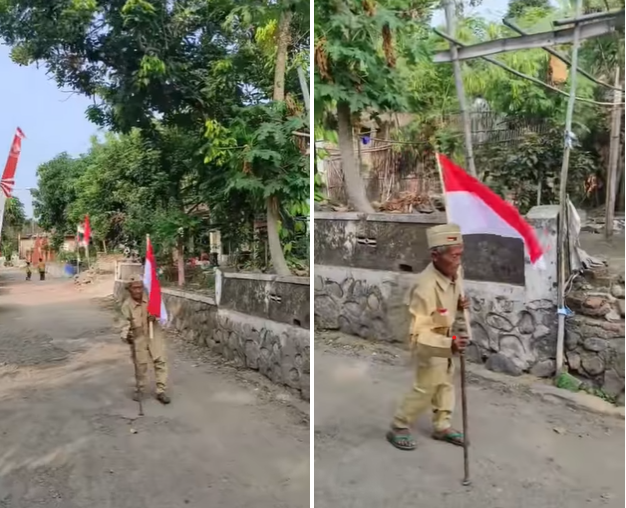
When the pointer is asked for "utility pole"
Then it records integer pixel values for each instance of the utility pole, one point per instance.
(450, 11)
(563, 251)
(614, 149)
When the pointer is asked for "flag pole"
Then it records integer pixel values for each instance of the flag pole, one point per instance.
(77, 252)
(150, 321)
(466, 317)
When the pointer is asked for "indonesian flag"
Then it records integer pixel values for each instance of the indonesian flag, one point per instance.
(8, 177)
(86, 231)
(156, 306)
(477, 210)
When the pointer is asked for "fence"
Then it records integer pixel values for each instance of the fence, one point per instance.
(406, 172)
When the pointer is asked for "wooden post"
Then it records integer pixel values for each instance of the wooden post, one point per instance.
(614, 156)
(450, 12)
(562, 232)
(304, 88)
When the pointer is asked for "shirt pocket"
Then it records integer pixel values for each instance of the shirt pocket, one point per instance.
(442, 321)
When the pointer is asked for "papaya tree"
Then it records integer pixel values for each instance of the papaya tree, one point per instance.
(356, 69)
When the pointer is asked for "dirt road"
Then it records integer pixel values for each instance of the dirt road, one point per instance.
(526, 451)
(67, 428)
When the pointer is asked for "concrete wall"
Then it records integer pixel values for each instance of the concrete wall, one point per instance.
(365, 266)
(54, 270)
(257, 321)
(281, 299)
(124, 270)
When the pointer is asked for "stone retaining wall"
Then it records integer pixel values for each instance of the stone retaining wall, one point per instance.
(594, 338)
(365, 266)
(238, 324)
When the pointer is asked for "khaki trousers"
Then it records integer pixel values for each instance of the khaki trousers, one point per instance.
(433, 389)
(144, 357)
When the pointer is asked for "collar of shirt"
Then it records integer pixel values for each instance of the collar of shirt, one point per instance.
(442, 281)
(136, 303)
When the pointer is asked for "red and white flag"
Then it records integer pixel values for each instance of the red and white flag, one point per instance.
(477, 210)
(86, 231)
(156, 306)
(7, 183)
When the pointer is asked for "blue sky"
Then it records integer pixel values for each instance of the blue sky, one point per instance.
(54, 122)
(490, 9)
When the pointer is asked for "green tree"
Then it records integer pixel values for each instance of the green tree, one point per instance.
(518, 8)
(13, 221)
(55, 192)
(356, 69)
(166, 68)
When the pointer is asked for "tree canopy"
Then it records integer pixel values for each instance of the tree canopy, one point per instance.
(189, 87)
(371, 60)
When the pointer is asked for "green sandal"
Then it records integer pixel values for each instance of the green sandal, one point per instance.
(401, 441)
(450, 436)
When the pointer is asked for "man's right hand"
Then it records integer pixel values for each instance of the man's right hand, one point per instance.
(460, 343)
(126, 337)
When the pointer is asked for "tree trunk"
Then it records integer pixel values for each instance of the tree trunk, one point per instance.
(614, 156)
(620, 182)
(273, 239)
(354, 185)
(276, 250)
(283, 40)
(180, 255)
(104, 246)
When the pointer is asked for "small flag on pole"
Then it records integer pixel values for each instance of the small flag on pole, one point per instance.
(86, 231)
(477, 210)
(156, 306)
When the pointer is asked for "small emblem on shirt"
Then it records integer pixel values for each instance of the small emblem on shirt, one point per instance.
(442, 312)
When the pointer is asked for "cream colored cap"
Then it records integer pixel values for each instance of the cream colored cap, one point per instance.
(443, 235)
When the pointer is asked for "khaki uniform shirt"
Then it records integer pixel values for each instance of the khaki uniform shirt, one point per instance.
(135, 315)
(434, 303)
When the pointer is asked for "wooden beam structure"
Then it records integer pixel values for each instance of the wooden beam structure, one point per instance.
(450, 12)
(538, 40)
(592, 16)
(560, 56)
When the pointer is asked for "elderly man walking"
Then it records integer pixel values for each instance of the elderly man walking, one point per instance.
(434, 302)
(147, 349)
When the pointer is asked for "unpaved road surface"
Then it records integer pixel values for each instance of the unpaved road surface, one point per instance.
(68, 434)
(526, 451)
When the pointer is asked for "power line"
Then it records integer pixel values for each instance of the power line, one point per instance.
(521, 74)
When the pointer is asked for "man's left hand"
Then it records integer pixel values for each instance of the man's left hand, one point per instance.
(464, 303)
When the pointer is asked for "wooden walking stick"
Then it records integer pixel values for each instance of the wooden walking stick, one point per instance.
(466, 469)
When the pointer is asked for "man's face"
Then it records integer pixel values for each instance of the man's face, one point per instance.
(136, 290)
(448, 260)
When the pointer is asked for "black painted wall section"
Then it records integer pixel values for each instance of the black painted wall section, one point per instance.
(279, 301)
(393, 246)
(402, 247)
(493, 258)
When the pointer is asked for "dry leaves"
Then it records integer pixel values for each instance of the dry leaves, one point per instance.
(321, 60)
(388, 47)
